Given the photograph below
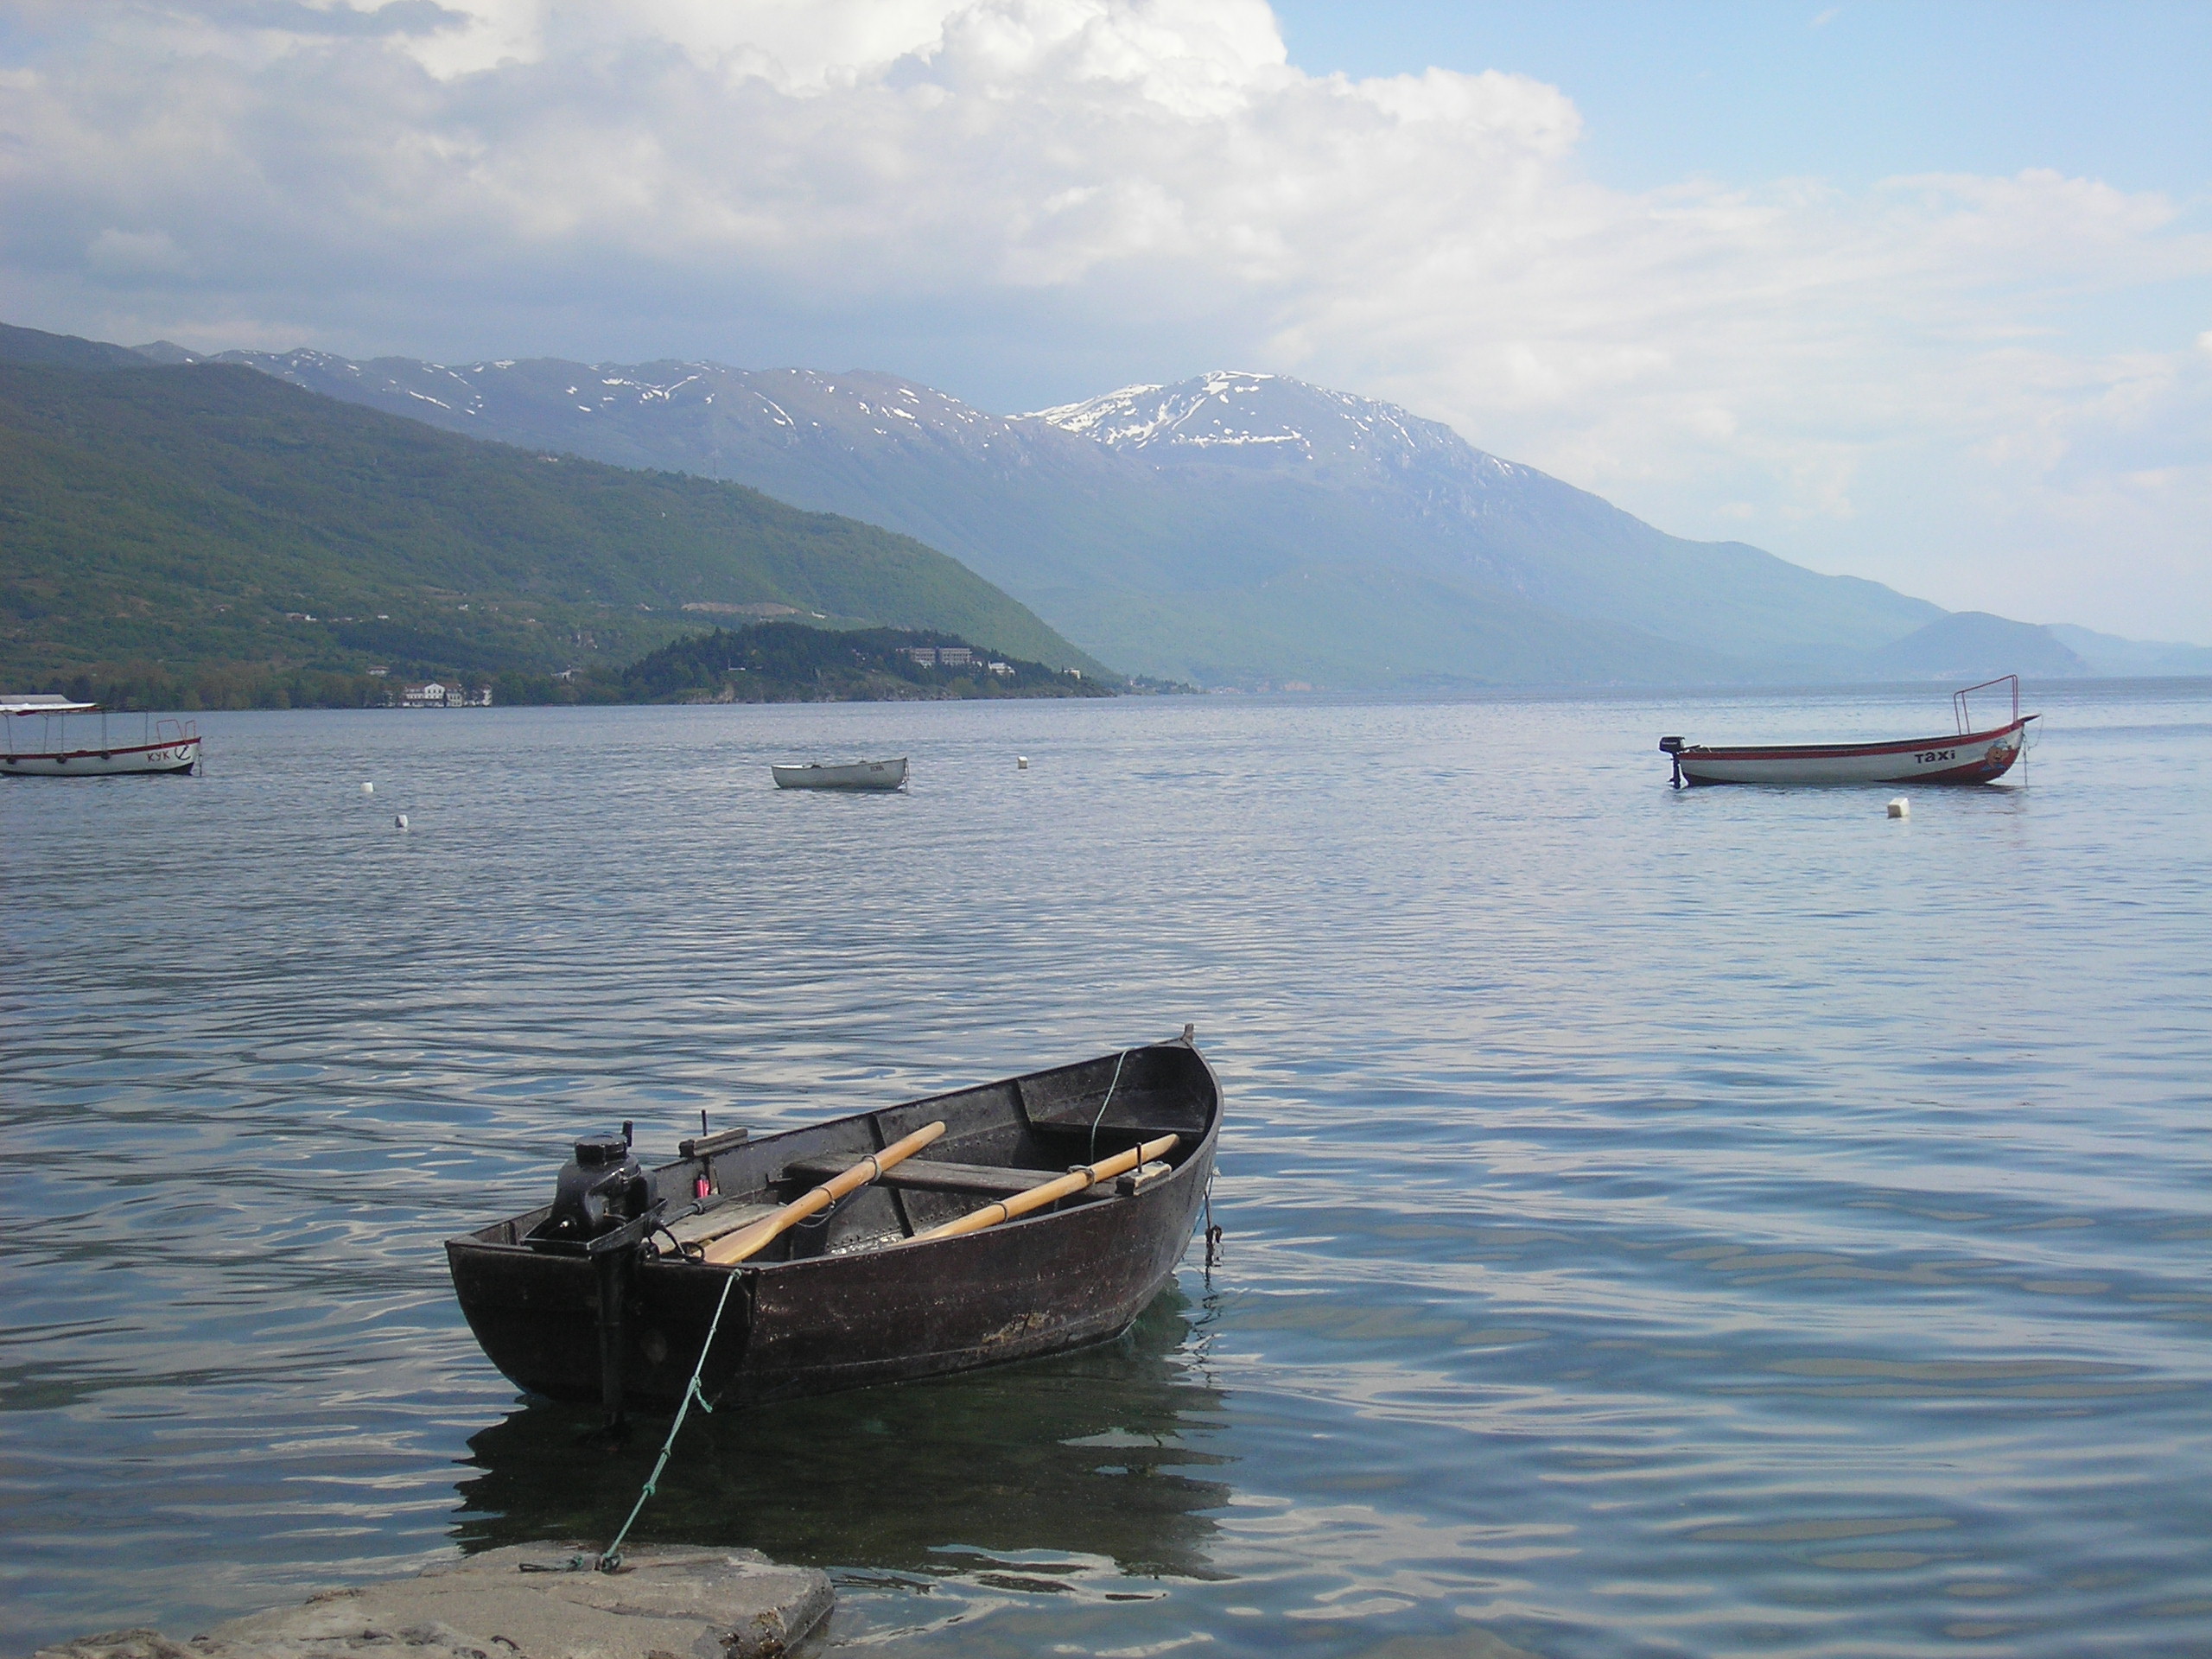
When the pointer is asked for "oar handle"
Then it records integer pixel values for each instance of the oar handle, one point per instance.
(1080, 1179)
(751, 1241)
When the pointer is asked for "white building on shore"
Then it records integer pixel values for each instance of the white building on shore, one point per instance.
(437, 694)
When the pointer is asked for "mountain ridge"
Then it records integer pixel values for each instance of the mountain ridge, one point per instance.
(163, 520)
(1179, 558)
(1235, 528)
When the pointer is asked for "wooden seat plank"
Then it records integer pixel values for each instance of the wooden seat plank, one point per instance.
(928, 1175)
(719, 1219)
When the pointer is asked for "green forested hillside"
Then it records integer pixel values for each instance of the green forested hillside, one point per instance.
(785, 662)
(207, 534)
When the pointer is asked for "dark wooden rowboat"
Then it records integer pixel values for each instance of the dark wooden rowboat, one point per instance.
(847, 1301)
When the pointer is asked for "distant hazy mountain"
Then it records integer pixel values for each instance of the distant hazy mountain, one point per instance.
(2107, 653)
(1235, 528)
(1975, 646)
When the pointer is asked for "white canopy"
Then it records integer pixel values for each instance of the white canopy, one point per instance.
(42, 704)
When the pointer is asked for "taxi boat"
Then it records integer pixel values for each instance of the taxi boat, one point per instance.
(1964, 757)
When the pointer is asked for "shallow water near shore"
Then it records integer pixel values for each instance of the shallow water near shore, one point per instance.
(1721, 1222)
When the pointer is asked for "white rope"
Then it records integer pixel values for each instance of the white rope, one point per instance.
(1104, 1104)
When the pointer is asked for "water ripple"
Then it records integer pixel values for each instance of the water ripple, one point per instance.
(1729, 1223)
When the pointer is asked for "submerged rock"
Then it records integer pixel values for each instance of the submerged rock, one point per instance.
(527, 1601)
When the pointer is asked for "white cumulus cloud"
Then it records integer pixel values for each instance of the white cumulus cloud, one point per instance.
(1026, 201)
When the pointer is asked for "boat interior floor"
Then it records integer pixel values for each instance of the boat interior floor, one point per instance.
(929, 1175)
(723, 1216)
(717, 1219)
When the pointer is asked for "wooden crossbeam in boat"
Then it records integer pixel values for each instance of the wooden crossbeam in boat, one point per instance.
(1077, 1181)
(929, 1175)
(722, 1219)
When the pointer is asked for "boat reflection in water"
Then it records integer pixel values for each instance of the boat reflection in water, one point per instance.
(1088, 1454)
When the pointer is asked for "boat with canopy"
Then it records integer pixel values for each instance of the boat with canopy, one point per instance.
(1967, 756)
(165, 745)
(1014, 1218)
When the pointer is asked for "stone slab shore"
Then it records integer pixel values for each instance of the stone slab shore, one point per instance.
(527, 1601)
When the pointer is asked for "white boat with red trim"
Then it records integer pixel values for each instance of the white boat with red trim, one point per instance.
(166, 745)
(1967, 756)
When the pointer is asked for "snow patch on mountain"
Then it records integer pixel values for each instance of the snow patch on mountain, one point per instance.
(1269, 419)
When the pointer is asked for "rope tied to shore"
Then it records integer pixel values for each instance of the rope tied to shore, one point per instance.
(611, 1561)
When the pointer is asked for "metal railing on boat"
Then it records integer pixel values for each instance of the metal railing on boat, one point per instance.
(49, 710)
(1959, 710)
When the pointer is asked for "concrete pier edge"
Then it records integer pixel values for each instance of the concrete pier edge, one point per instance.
(524, 1601)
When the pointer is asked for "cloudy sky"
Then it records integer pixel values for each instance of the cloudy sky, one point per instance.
(1916, 292)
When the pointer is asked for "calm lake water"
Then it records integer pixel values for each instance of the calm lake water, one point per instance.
(1725, 1223)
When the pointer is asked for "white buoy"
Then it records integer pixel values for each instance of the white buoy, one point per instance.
(1900, 807)
(368, 789)
(399, 822)
(1021, 763)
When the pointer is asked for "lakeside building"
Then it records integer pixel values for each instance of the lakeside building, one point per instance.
(938, 656)
(436, 694)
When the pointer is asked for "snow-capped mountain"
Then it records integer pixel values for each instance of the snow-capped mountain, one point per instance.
(1232, 417)
(1233, 528)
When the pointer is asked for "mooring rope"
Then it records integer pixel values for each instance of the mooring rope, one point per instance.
(611, 1559)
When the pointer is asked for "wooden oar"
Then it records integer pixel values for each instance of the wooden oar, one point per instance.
(1080, 1179)
(751, 1241)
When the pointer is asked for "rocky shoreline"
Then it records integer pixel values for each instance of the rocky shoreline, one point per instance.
(525, 1601)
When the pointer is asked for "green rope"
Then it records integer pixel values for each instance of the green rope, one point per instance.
(612, 1560)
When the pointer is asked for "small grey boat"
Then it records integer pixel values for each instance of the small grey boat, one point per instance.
(856, 774)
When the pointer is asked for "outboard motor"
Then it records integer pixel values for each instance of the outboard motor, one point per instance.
(601, 1200)
(600, 1188)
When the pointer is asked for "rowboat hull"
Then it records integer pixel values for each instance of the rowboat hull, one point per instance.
(858, 1301)
(1976, 758)
(858, 774)
(178, 756)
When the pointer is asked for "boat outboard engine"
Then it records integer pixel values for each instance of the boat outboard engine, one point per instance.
(600, 1188)
(1673, 746)
(601, 1200)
